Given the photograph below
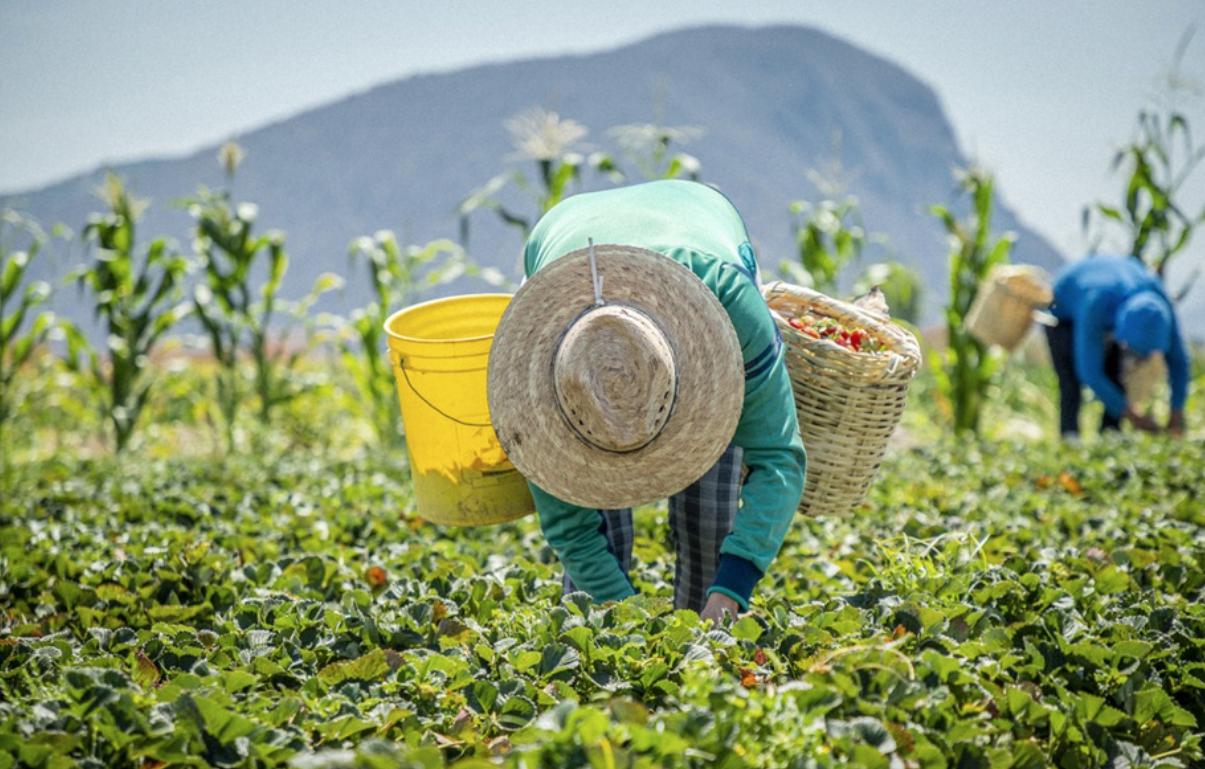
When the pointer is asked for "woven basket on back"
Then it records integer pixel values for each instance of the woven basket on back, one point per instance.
(1141, 377)
(848, 402)
(1003, 308)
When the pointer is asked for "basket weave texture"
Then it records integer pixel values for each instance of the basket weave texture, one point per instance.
(1141, 377)
(848, 403)
(1003, 308)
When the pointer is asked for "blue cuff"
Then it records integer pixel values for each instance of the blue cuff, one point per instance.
(1115, 407)
(735, 578)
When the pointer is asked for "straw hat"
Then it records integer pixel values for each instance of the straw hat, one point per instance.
(618, 386)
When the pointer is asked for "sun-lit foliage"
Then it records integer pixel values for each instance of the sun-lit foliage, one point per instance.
(966, 367)
(237, 314)
(22, 327)
(135, 299)
(996, 604)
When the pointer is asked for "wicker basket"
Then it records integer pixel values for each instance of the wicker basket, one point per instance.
(848, 403)
(1141, 377)
(1003, 308)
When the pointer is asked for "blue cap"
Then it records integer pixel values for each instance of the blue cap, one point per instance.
(1144, 323)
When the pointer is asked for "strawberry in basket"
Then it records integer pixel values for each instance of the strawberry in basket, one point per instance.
(852, 338)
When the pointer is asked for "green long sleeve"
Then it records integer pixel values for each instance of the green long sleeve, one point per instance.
(699, 228)
(576, 536)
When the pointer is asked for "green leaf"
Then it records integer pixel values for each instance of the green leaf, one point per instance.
(581, 637)
(369, 667)
(525, 660)
(746, 629)
(14, 268)
(344, 727)
(1154, 703)
(146, 673)
(1111, 580)
(237, 680)
(223, 725)
(557, 658)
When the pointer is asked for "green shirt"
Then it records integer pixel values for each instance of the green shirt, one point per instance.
(697, 226)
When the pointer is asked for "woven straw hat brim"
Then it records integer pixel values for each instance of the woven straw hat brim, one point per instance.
(522, 400)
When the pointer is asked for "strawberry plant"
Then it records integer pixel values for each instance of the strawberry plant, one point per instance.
(992, 604)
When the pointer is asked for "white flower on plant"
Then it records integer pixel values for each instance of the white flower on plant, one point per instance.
(827, 221)
(362, 244)
(328, 281)
(247, 211)
(690, 164)
(230, 155)
(642, 138)
(541, 134)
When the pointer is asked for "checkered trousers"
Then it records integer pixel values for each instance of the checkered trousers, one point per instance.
(700, 516)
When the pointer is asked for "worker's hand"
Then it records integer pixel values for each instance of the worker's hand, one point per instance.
(1175, 424)
(1141, 421)
(720, 609)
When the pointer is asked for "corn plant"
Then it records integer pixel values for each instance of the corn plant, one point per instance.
(965, 370)
(1157, 164)
(18, 299)
(238, 317)
(648, 147)
(549, 141)
(135, 300)
(828, 237)
(396, 276)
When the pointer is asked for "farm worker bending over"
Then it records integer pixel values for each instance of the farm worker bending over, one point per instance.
(1107, 308)
(639, 361)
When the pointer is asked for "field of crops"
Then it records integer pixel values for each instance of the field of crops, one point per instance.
(993, 605)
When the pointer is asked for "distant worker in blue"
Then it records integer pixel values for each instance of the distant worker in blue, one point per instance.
(1109, 307)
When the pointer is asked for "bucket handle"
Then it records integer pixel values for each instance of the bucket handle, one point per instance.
(401, 364)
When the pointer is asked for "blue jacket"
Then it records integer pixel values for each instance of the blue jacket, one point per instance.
(1119, 296)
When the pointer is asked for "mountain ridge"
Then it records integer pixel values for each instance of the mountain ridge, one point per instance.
(401, 154)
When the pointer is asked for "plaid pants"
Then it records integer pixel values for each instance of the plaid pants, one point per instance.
(700, 516)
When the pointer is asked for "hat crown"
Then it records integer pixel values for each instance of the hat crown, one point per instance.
(535, 358)
(1144, 323)
(615, 378)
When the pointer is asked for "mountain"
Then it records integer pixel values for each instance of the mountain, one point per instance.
(773, 102)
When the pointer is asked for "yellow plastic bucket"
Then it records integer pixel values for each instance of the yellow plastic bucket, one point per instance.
(439, 352)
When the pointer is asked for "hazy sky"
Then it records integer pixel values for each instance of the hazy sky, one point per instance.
(1040, 91)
